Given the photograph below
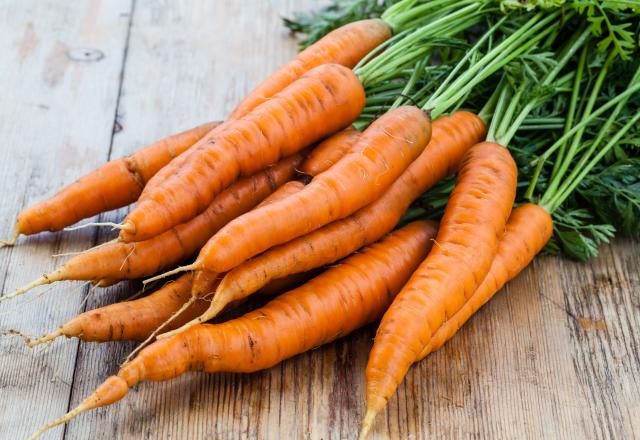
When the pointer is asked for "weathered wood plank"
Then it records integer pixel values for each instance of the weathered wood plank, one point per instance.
(59, 72)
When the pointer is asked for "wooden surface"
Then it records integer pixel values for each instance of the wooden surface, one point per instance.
(555, 355)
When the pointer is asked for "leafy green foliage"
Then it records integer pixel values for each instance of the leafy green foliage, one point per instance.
(317, 24)
(577, 234)
(614, 195)
(612, 21)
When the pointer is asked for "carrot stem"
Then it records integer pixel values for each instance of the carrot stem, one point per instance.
(573, 103)
(540, 161)
(573, 181)
(566, 157)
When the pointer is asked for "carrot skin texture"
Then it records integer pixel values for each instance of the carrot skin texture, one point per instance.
(528, 230)
(136, 320)
(324, 100)
(204, 279)
(115, 184)
(120, 261)
(466, 244)
(346, 45)
(331, 305)
(451, 137)
(382, 153)
(330, 151)
(284, 191)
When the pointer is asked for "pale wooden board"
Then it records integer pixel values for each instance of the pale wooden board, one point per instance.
(60, 64)
(554, 355)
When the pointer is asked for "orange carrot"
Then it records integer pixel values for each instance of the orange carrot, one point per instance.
(118, 261)
(206, 280)
(452, 136)
(346, 45)
(330, 151)
(135, 320)
(131, 320)
(379, 157)
(331, 305)
(324, 100)
(473, 221)
(529, 228)
(284, 191)
(115, 184)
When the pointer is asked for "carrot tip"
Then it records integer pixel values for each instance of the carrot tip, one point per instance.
(26, 338)
(367, 423)
(59, 421)
(106, 243)
(111, 390)
(44, 279)
(111, 224)
(178, 269)
(46, 338)
(11, 241)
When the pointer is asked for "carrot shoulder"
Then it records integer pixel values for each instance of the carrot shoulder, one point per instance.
(331, 305)
(451, 137)
(115, 184)
(324, 100)
(382, 153)
(346, 45)
(466, 244)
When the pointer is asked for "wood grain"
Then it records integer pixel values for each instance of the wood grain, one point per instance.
(554, 355)
(60, 64)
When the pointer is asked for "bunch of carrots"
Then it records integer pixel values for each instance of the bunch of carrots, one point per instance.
(490, 117)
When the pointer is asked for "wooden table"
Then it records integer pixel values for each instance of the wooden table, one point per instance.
(555, 355)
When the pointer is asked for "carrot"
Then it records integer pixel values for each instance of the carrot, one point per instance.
(452, 136)
(114, 185)
(118, 261)
(131, 320)
(207, 280)
(346, 45)
(324, 100)
(331, 305)
(284, 191)
(380, 156)
(529, 228)
(330, 151)
(135, 320)
(466, 244)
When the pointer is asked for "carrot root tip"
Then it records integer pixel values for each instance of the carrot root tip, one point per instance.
(46, 338)
(43, 280)
(11, 241)
(106, 243)
(125, 226)
(25, 337)
(367, 423)
(179, 269)
(59, 421)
